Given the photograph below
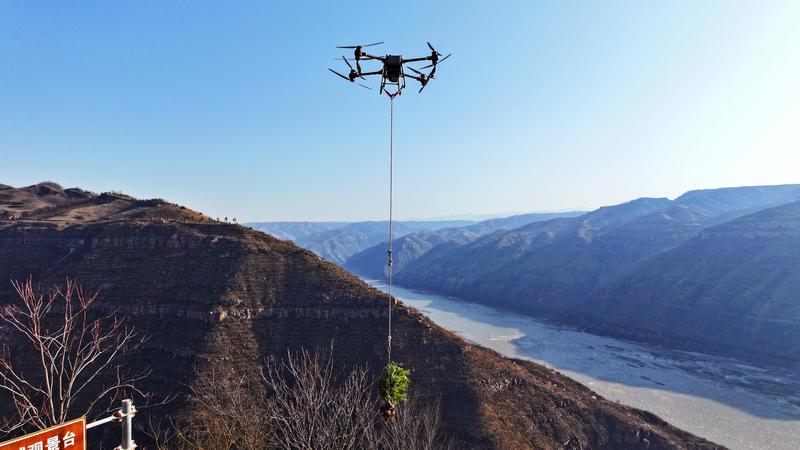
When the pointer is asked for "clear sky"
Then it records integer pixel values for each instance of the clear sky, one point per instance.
(228, 107)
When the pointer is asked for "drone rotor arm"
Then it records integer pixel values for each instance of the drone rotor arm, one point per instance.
(425, 58)
(368, 56)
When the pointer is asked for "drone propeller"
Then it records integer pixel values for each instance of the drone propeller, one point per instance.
(415, 71)
(358, 66)
(420, 89)
(357, 46)
(433, 49)
(347, 62)
(437, 62)
(337, 73)
(348, 79)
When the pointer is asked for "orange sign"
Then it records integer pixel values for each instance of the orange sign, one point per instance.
(67, 436)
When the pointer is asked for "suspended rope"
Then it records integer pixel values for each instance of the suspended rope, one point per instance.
(391, 210)
(393, 384)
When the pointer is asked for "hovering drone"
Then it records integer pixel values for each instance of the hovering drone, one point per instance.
(392, 73)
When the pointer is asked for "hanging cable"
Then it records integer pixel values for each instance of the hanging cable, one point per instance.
(391, 207)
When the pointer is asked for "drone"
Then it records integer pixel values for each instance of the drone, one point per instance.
(392, 73)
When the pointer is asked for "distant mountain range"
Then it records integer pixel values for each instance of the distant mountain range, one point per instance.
(338, 241)
(717, 270)
(407, 249)
(208, 293)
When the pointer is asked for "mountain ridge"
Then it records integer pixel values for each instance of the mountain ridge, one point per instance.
(200, 288)
(406, 249)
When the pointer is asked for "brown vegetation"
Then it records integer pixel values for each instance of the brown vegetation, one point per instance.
(301, 402)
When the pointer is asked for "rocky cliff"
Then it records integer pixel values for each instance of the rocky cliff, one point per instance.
(209, 291)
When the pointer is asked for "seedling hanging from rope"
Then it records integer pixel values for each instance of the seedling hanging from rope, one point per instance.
(393, 388)
(393, 385)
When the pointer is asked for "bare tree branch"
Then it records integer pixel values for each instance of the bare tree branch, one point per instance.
(76, 352)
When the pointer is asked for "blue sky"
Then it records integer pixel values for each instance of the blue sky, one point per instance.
(228, 107)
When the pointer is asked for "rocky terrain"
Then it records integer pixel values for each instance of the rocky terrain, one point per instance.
(206, 291)
(697, 272)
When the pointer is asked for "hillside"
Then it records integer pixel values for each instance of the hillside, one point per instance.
(407, 249)
(556, 268)
(210, 292)
(734, 286)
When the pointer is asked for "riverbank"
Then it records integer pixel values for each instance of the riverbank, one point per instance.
(736, 404)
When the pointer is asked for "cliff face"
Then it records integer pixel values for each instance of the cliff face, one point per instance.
(209, 291)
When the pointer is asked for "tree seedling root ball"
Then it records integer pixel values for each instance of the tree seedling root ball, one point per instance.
(393, 388)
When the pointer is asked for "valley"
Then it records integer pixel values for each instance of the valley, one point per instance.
(739, 405)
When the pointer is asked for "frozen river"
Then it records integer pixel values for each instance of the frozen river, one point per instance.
(726, 401)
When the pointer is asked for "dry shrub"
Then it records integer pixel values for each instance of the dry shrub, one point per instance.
(300, 402)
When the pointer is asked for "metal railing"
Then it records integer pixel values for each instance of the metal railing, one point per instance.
(125, 416)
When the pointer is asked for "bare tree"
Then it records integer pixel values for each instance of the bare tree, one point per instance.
(300, 403)
(416, 426)
(313, 407)
(225, 412)
(67, 361)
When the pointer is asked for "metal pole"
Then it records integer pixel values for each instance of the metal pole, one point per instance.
(128, 411)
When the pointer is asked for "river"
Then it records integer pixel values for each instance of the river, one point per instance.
(739, 405)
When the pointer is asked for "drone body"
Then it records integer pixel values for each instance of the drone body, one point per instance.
(392, 73)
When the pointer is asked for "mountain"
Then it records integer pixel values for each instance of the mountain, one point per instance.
(336, 242)
(372, 261)
(556, 268)
(733, 286)
(211, 293)
(15, 203)
(540, 258)
(295, 231)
